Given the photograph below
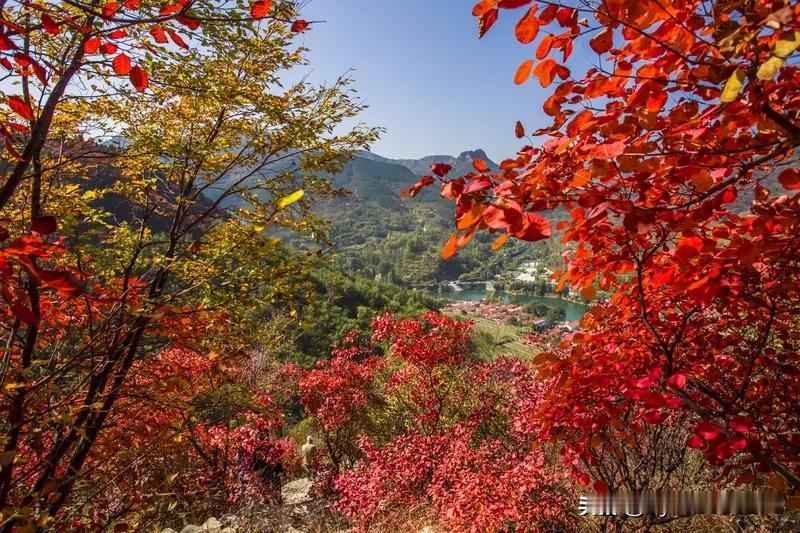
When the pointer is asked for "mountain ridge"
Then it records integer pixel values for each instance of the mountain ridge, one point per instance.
(461, 164)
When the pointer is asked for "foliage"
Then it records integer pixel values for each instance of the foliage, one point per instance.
(186, 261)
(200, 435)
(689, 105)
(429, 429)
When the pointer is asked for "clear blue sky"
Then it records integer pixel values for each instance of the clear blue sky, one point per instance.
(427, 78)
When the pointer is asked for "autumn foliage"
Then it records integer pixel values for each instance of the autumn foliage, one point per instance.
(671, 164)
(433, 432)
(128, 288)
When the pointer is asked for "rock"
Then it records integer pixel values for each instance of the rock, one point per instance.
(168, 530)
(192, 529)
(296, 492)
(212, 525)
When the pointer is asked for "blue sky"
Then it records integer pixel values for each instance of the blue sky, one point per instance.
(429, 81)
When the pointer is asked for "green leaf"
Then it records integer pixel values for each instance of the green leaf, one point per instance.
(290, 199)
(732, 86)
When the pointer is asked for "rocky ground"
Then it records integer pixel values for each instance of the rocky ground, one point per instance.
(299, 513)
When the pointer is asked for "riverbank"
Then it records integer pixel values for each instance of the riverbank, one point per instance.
(574, 310)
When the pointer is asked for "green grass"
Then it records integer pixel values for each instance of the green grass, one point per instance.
(504, 336)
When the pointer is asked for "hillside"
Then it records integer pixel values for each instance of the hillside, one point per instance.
(381, 235)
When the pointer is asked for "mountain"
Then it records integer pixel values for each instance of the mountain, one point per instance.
(461, 164)
(379, 234)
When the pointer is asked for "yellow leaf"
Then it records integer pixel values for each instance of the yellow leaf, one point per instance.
(769, 68)
(784, 47)
(290, 199)
(732, 87)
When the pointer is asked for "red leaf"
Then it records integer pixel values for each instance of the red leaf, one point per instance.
(519, 130)
(737, 442)
(513, 4)
(523, 72)
(478, 185)
(450, 248)
(92, 45)
(545, 45)
(533, 227)
(603, 41)
(158, 34)
(20, 107)
(170, 9)
(742, 424)
(190, 22)
(688, 248)
(545, 71)
(260, 9)
(50, 25)
(44, 225)
(482, 7)
(441, 169)
(108, 48)
(453, 189)
(677, 381)
(707, 430)
(790, 179)
(729, 195)
(122, 65)
(299, 26)
(600, 486)
(501, 218)
(138, 78)
(24, 314)
(412, 191)
(607, 150)
(118, 34)
(694, 442)
(480, 165)
(527, 27)
(177, 39)
(109, 9)
(486, 22)
(61, 281)
(6, 43)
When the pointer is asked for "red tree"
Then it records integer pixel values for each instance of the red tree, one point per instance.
(672, 160)
(428, 432)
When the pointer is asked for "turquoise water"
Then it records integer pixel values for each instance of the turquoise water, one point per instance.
(574, 310)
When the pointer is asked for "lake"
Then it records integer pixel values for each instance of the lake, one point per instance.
(573, 310)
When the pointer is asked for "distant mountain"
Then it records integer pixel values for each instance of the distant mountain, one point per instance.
(380, 234)
(461, 164)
